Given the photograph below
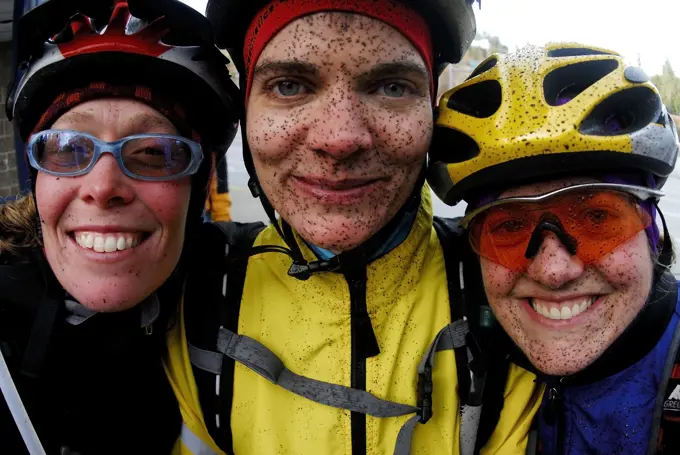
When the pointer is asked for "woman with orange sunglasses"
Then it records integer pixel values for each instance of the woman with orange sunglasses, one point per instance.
(578, 146)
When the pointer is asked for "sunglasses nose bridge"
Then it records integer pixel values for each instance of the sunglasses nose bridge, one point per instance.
(109, 147)
(551, 223)
(102, 148)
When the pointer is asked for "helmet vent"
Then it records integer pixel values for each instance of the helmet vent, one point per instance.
(64, 36)
(452, 146)
(483, 68)
(566, 83)
(576, 52)
(623, 113)
(479, 100)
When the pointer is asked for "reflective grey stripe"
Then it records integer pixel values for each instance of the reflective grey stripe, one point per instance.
(257, 357)
(194, 443)
(403, 445)
(470, 417)
(205, 360)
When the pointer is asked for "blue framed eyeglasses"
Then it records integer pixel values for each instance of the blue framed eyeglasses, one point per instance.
(151, 157)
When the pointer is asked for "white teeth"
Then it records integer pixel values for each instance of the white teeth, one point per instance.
(566, 312)
(540, 309)
(110, 243)
(99, 243)
(87, 240)
(563, 311)
(107, 243)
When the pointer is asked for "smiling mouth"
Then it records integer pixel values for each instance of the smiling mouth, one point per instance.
(565, 310)
(338, 185)
(109, 242)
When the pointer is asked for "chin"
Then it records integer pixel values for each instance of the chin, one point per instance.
(336, 233)
(550, 364)
(109, 301)
(337, 240)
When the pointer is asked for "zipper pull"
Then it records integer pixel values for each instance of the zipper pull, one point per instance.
(555, 404)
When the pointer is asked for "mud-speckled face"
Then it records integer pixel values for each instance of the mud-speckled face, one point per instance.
(608, 293)
(109, 239)
(339, 122)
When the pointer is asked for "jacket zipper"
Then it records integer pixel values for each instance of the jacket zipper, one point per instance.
(357, 294)
(364, 345)
(554, 413)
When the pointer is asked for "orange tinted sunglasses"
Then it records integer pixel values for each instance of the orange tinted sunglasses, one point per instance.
(590, 220)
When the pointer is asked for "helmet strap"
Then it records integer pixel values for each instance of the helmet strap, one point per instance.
(666, 256)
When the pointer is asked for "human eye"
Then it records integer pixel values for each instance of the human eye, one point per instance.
(507, 227)
(394, 89)
(287, 89)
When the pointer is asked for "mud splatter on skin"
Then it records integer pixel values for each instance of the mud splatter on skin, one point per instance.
(339, 96)
(623, 277)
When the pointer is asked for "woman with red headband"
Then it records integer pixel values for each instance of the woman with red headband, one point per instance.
(326, 338)
(93, 261)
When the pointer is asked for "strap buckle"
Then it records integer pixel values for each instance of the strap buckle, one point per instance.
(425, 388)
(304, 270)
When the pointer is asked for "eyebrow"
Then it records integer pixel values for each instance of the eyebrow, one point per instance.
(134, 124)
(77, 117)
(286, 66)
(144, 122)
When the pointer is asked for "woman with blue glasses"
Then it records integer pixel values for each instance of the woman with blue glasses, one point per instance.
(125, 107)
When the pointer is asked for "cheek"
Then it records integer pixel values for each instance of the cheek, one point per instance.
(498, 283)
(405, 135)
(274, 134)
(168, 201)
(498, 280)
(630, 265)
(53, 195)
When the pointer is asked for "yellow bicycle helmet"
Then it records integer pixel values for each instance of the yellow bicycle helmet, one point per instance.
(542, 111)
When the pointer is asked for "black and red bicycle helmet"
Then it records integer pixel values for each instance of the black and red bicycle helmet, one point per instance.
(162, 44)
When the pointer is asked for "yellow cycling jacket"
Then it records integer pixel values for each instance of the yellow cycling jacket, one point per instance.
(307, 324)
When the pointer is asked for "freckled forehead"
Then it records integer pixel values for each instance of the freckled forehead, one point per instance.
(340, 40)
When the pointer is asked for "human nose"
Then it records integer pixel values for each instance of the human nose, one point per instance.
(341, 126)
(106, 185)
(553, 266)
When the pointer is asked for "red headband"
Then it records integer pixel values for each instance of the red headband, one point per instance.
(278, 13)
(97, 90)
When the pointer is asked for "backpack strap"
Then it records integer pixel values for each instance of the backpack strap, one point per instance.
(665, 437)
(257, 357)
(471, 365)
(495, 344)
(46, 317)
(217, 275)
